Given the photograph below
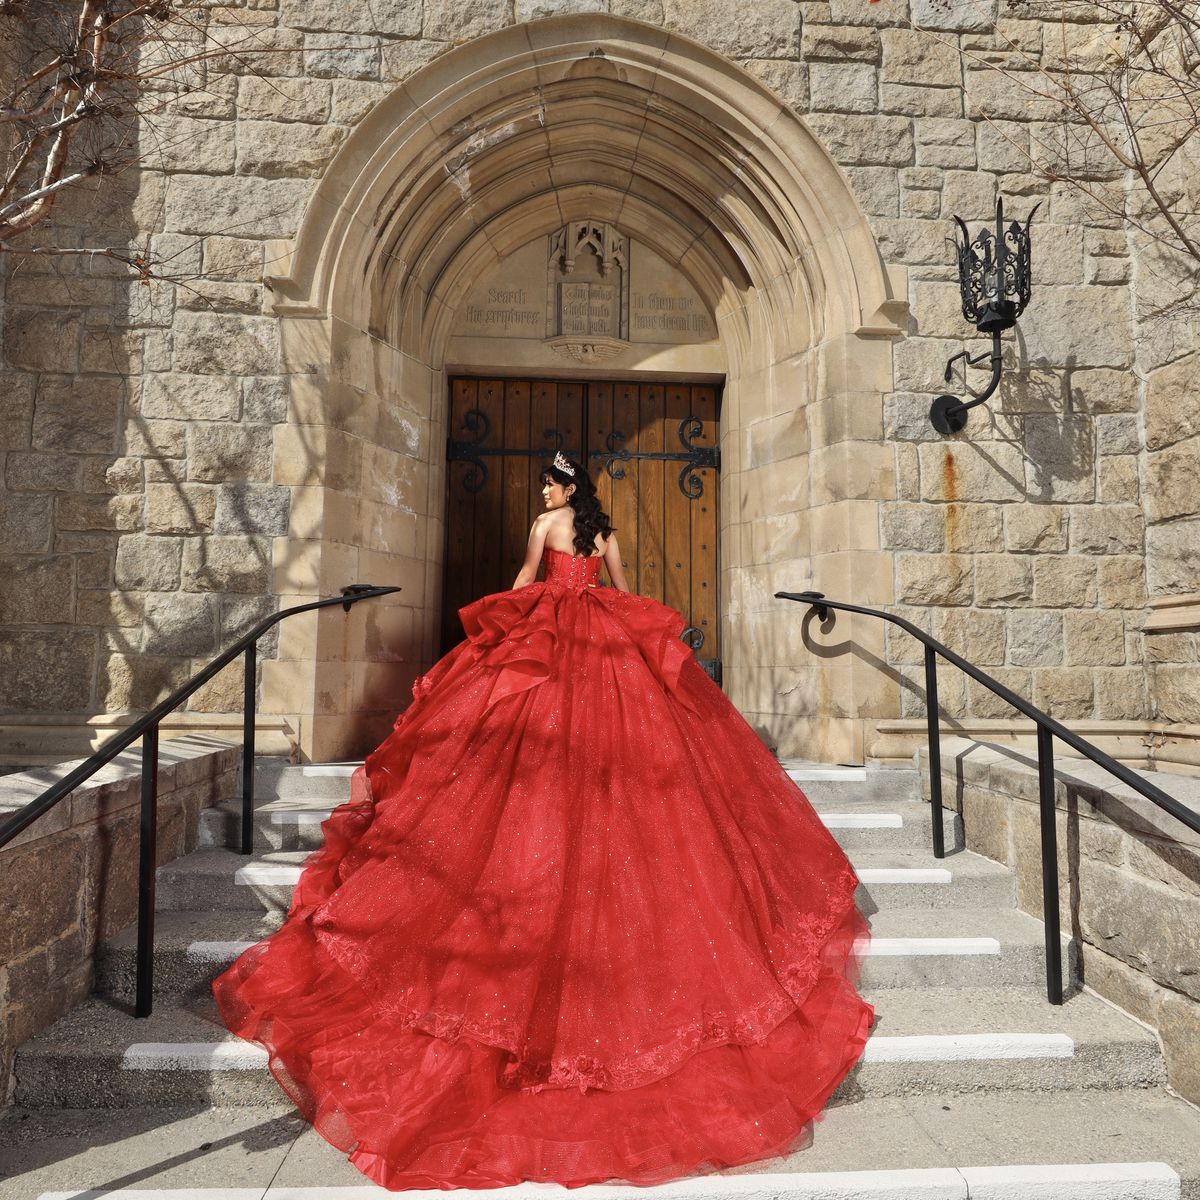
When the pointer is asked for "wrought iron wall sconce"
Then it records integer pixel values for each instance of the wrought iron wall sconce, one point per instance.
(995, 282)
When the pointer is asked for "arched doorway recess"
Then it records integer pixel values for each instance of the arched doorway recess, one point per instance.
(503, 141)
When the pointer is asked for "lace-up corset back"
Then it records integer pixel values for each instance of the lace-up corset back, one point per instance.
(572, 571)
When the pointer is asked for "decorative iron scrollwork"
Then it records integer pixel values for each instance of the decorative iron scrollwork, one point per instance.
(478, 423)
(694, 457)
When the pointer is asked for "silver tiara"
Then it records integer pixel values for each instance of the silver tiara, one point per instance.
(563, 465)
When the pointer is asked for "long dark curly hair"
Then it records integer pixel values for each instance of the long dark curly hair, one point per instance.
(590, 518)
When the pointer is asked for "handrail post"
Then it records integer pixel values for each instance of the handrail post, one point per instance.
(1050, 915)
(935, 753)
(147, 866)
(249, 695)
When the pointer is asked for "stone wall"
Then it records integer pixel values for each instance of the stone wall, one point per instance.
(1129, 879)
(177, 458)
(71, 878)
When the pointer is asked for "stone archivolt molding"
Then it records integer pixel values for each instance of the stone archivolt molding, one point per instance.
(594, 119)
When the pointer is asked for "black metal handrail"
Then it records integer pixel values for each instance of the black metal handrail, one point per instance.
(146, 728)
(1047, 730)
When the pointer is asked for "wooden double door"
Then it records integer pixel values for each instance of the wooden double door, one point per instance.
(650, 448)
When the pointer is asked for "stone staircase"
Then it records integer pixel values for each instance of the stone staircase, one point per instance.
(972, 1084)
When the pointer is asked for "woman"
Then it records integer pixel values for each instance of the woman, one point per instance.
(575, 924)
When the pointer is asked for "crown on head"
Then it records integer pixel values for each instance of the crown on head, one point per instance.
(562, 464)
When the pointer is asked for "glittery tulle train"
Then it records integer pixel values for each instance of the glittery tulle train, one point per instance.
(575, 923)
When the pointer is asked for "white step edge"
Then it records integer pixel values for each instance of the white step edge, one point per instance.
(881, 947)
(193, 1056)
(952, 1047)
(967, 1047)
(328, 770)
(301, 816)
(879, 820)
(827, 774)
(1065, 1181)
(903, 875)
(267, 875)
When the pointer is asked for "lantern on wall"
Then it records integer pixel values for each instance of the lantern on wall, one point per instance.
(994, 279)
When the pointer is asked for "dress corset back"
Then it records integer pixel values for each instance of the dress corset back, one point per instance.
(574, 571)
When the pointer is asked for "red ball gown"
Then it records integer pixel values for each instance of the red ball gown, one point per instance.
(574, 925)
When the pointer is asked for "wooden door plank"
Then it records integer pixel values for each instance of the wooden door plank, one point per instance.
(704, 518)
(677, 516)
(486, 573)
(649, 477)
(624, 511)
(460, 518)
(518, 471)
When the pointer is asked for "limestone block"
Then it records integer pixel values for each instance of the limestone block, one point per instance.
(398, 18)
(933, 579)
(111, 351)
(926, 102)
(850, 12)
(16, 410)
(227, 564)
(955, 15)
(1080, 327)
(1026, 389)
(223, 344)
(36, 590)
(122, 512)
(1064, 581)
(191, 397)
(1035, 639)
(201, 147)
(136, 683)
(330, 56)
(963, 471)
(983, 702)
(1178, 1021)
(400, 60)
(767, 29)
(217, 453)
(906, 417)
(1173, 557)
(74, 414)
(1107, 270)
(221, 694)
(1171, 481)
(846, 87)
(919, 363)
(876, 189)
(26, 472)
(650, 11)
(219, 295)
(1009, 96)
(1172, 413)
(148, 563)
(913, 242)
(1107, 529)
(865, 140)
(265, 400)
(180, 507)
(1177, 694)
(313, 454)
(25, 523)
(788, 80)
(1153, 928)
(937, 307)
(41, 340)
(1002, 579)
(1121, 694)
(452, 21)
(1122, 580)
(912, 57)
(1170, 647)
(277, 150)
(246, 207)
(975, 634)
(178, 624)
(155, 439)
(1064, 692)
(1060, 458)
(908, 472)
(973, 527)
(239, 614)
(920, 204)
(1117, 481)
(537, 10)
(838, 43)
(120, 610)
(1095, 639)
(1166, 861)
(1002, 146)
(249, 508)
(263, 99)
(1035, 527)
(233, 258)
(912, 527)
(1117, 433)
(45, 672)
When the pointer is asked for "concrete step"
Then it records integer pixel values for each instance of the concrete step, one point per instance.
(819, 781)
(215, 878)
(278, 779)
(953, 1041)
(294, 823)
(1142, 1145)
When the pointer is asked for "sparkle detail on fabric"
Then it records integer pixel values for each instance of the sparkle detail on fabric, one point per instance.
(575, 923)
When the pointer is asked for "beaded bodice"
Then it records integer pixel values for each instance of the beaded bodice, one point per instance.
(571, 570)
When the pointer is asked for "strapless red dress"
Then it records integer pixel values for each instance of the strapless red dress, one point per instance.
(575, 923)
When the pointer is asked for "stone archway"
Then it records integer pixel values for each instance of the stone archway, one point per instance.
(502, 141)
